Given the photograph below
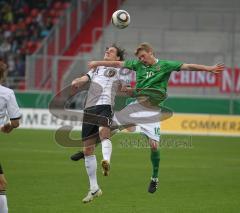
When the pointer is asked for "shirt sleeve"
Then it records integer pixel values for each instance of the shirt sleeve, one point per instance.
(131, 64)
(13, 108)
(174, 65)
(90, 73)
(125, 76)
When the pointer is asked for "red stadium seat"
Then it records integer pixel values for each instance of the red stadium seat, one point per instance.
(34, 12)
(22, 85)
(52, 13)
(28, 20)
(55, 20)
(21, 25)
(59, 13)
(27, 23)
(13, 27)
(4, 27)
(65, 5)
(31, 47)
(29, 44)
(57, 5)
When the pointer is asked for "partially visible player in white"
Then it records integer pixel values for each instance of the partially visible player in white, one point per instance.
(104, 83)
(9, 119)
(3, 197)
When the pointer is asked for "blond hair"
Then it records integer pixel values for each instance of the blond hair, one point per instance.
(144, 46)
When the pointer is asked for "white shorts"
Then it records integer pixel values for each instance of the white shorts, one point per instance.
(146, 118)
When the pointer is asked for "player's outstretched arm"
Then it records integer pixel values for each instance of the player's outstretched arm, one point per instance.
(198, 67)
(78, 83)
(95, 64)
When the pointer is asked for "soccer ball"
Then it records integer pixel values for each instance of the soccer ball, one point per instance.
(121, 19)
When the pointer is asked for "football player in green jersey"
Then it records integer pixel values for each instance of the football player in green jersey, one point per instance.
(152, 75)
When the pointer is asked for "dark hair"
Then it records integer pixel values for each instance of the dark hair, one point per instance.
(120, 51)
(3, 69)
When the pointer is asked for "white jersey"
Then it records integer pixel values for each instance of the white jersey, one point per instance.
(8, 105)
(105, 82)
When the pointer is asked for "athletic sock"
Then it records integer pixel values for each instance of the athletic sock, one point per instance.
(91, 167)
(3, 203)
(106, 149)
(155, 159)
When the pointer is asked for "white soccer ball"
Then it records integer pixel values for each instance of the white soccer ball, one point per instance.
(121, 19)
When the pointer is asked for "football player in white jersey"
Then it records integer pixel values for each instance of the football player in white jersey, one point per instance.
(9, 119)
(104, 83)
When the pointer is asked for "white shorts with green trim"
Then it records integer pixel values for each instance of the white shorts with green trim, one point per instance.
(147, 119)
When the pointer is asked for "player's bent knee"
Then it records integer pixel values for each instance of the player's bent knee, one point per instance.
(104, 132)
(154, 148)
(153, 144)
(88, 151)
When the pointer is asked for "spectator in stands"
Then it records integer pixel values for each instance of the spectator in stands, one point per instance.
(7, 13)
(5, 48)
(7, 32)
(20, 66)
(21, 12)
(11, 65)
(23, 23)
(44, 32)
(48, 23)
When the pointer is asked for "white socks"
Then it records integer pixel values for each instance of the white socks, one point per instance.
(3, 204)
(106, 149)
(91, 164)
(91, 167)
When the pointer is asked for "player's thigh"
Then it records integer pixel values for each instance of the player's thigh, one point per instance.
(151, 130)
(104, 129)
(89, 138)
(106, 113)
(89, 131)
(136, 113)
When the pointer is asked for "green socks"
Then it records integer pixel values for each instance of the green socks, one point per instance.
(155, 159)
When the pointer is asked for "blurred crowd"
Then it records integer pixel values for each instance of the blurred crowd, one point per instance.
(23, 24)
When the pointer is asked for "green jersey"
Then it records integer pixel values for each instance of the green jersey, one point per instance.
(152, 80)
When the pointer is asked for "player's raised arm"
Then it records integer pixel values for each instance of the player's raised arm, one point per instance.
(198, 67)
(94, 64)
(78, 83)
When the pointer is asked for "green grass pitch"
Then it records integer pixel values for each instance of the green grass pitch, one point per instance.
(200, 175)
